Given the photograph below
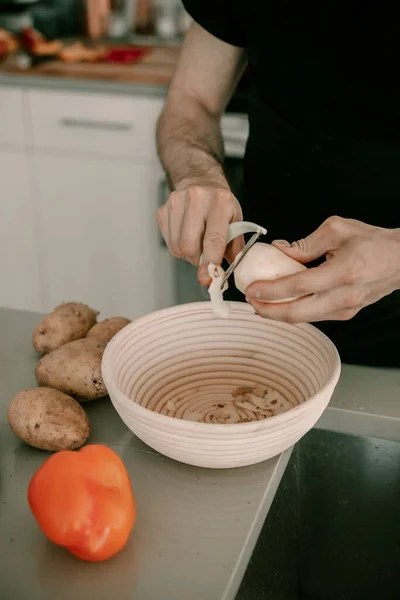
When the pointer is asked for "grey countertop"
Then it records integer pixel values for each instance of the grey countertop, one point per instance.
(195, 528)
(53, 82)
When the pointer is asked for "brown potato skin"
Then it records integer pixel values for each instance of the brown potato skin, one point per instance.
(105, 330)
(48, 419)
(67, 322)
(74, 369)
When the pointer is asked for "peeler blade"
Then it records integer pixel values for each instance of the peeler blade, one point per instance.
(240, 257)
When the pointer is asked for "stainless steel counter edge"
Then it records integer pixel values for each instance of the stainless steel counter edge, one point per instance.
(53, 82)
(258, 522)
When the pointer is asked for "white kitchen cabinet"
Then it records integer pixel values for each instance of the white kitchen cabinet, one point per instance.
(80, 189)
(12, 117)
(98, 236)
(20, 276)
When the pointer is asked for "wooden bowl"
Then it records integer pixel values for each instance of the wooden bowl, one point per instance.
(184, 362)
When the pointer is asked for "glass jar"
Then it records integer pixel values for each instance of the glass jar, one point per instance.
(167, 14)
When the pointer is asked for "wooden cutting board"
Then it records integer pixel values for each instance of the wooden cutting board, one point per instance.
(156, 67)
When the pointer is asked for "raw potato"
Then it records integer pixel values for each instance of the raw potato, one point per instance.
(68, 321)
(48, 419)
(265, 262)
(74, 369)
(105, 330)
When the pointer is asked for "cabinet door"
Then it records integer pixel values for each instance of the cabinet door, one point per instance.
(99, 241)
(12, 131)
(20, 284)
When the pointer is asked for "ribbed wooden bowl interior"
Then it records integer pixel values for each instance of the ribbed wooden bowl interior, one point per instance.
(173, 368)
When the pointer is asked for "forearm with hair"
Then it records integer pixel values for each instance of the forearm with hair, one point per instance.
(190, 144)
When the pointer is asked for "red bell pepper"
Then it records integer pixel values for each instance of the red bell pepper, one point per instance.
(124, 55)
(3, 49)
(83, 500)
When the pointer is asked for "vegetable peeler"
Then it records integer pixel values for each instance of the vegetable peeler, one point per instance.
(240, 228)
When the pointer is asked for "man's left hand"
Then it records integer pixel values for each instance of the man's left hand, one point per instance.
(362, 266)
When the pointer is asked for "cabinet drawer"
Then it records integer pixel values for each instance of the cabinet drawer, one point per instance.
(11, 117)
(94, 123)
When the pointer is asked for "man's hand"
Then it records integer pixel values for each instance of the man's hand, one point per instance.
(362, 266)
(195, 221)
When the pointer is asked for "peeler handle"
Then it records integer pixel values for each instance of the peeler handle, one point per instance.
(240, 228)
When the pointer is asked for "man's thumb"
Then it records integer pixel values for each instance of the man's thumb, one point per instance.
(202, 274)
(307, 249)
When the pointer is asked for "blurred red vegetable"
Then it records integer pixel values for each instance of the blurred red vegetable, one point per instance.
(124, 55)
(83, 501)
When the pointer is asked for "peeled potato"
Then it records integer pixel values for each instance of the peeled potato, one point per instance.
(105, 330)
(68, 321)
(264, 262)
(47, 419)
(74, 369)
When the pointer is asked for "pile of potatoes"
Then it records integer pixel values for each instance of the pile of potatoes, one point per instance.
(72, 342)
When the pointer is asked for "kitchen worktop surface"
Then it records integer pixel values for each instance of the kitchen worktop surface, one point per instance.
(73, 84)
(150, 75)
(195, 528)
(149, 78)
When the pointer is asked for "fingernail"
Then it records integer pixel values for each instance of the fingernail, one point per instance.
(203, 276)
(283, 243)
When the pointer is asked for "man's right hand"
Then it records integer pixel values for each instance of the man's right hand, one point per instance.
(195, 221)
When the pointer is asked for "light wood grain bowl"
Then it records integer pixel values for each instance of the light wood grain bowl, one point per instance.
(186, 356)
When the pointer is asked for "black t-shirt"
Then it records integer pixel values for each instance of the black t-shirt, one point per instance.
(324, 116)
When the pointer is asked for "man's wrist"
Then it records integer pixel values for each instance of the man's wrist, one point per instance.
(395, 234)
(212, 177)
(184, 184)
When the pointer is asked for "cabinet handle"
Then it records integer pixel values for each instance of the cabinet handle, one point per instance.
(92, 124)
